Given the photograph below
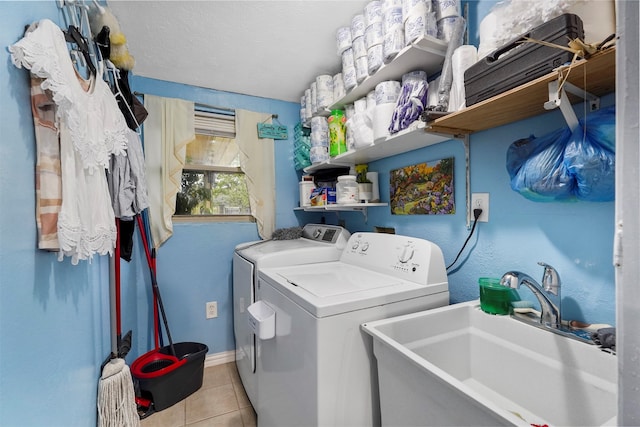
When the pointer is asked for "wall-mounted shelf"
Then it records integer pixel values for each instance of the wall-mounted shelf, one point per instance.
(409, 139)
(597, 75)
(360, 207)
(426, 54)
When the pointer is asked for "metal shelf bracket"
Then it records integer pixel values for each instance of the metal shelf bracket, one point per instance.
(558, 98)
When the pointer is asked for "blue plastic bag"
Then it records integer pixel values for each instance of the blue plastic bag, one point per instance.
(565, 165)
(590, 157)
(536, 167)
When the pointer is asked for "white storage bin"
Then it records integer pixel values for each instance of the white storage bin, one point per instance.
(262, 320)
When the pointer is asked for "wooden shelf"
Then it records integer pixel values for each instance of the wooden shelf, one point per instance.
(596, 75)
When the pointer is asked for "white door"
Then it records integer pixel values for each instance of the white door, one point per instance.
(627, 239)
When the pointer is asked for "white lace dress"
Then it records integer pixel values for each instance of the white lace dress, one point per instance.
(91, 129)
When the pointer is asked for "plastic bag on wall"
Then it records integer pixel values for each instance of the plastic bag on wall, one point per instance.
(565, 165)
(537, 170)
(590, 157)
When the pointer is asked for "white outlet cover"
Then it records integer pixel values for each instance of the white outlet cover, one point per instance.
(480, 200)
(212, 310)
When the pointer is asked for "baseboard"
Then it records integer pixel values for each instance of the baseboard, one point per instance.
(219, 358)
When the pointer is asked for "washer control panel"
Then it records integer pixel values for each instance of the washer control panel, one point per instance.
(405, 257)
(326, 233)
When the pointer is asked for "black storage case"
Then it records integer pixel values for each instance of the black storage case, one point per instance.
(167, 390)
(493, 74)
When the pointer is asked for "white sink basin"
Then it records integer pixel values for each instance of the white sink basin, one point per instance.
(457, 365)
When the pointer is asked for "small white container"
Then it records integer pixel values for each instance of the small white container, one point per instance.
(262, 320)
(347, 190)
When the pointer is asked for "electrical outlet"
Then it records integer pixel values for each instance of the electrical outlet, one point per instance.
(480, 201)
(212, 309)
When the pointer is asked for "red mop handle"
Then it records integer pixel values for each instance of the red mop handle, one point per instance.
(143, 236)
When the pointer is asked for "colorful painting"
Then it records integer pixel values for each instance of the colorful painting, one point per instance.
(423, 189)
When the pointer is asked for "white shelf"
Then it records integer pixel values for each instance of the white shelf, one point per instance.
(426, 54)
(341, 207)
(357, 207)
(409, 139)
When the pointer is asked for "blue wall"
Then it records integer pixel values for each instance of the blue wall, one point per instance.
(195, 264)
(576, 238)
(54, 317)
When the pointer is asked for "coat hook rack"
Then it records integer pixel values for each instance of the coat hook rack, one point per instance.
(559, 98)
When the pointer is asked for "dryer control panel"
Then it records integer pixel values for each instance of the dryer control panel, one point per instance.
(409, 258)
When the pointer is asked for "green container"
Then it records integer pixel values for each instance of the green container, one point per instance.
(495, 298)
(337, 133)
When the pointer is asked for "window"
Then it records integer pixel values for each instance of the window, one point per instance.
(213, 185)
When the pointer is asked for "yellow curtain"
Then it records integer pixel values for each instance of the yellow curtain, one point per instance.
(167, 131)
(258, 164)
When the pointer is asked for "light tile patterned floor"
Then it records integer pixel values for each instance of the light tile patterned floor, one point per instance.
(221, 402)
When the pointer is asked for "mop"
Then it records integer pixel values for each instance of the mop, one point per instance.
(116, 397)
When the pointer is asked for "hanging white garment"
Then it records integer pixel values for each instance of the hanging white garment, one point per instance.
(93, 117)
(91, 129)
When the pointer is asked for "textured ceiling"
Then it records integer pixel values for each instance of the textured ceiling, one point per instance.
(269, 48)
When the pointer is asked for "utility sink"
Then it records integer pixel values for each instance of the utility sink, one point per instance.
(457, 366)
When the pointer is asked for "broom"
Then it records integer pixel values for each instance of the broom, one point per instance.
(116, 397)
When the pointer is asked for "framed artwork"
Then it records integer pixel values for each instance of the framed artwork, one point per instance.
(423, 189)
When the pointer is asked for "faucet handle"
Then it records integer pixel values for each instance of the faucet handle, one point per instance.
(550, 279)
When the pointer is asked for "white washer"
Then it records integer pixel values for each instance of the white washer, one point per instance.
(318, 243)
(319, 369)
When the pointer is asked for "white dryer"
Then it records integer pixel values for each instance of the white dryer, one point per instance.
(318, 369)
(318, 243)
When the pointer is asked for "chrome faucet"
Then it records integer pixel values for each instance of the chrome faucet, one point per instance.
(548, 293)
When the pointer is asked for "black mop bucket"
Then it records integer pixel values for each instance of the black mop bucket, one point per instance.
(166, 375)
(163, 380)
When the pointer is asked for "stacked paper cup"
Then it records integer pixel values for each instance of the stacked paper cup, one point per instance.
(463, 57)
(360, 124)
(338, 87)
(447, 15)
(319, 151)
(393, 29)
(387, 94)
(349, 112)
(419, 20)
(373, 35)
(324, 91)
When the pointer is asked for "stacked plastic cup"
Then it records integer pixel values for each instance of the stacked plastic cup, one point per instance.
(339, 90)
(447, 15)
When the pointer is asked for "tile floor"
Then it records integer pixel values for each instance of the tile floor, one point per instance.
(220, 402)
